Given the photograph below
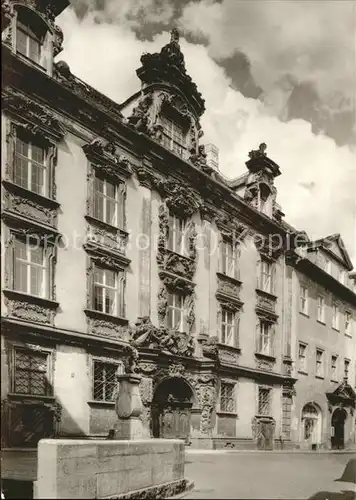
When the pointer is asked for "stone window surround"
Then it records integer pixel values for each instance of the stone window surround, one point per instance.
(320, 363)
(300, 369)
(106, 360)
(270, 389)
(235, 255)
(337, 358)
(263, 259)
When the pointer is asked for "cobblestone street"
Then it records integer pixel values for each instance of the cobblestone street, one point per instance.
(266, 475)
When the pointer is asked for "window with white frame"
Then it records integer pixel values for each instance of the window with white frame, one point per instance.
(104, 380)
(321, 309)
(266, 276)
(328, 266)
(30, 268)
(304, 306)
(302, 357)
(229, 258)
(264, 401)
(30, 35)
(30, 164)
(319, 358)
(176, 234)
(31, 372)
(348, 323)
(175, 316)
(227, 397)
(335, 316)
(108, 201)
(333, 367)
(342, 276)
(108, 290)
(265, 337)
(346, 369)
(229, 327)
(173, 136)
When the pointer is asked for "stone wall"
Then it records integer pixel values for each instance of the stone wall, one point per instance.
(99, 469)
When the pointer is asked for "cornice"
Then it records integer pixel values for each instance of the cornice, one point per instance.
(29, 226)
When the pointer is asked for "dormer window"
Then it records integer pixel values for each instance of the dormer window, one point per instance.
(173, 136)
(30, 35)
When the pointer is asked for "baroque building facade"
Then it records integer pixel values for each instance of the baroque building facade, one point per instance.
(118, 233)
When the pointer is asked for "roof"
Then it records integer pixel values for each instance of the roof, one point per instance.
(335, 246)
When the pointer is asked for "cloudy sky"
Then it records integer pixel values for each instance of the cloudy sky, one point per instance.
(276, 71)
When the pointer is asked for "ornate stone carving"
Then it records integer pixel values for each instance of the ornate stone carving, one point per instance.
(105, 325)
(180, 198)
(205, 388)
(210, 347)
(228, 286)
(146, 389)
(145, 334)
(266, 301)
(130, 358)
(256, 424)
(230, 228)
(258, 153)
(30, 207)
(57, 40)
(102, 155)
(228, 355)
(38, 119)
(147, 178)
(264, 364)
(147, 368)
(30, 308)
(140, 118)
(105, 256)
(176, 370)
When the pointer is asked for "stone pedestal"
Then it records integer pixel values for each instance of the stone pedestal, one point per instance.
(129, 408)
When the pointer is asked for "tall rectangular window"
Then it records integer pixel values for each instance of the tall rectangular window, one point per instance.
(229, 258)
(346, 369)
(304, 300)
(333, 367)
(30, 165)
(30, 270)
(31, 373)
(227, 397)
(264, 401)
(319, 369)
(286, 416)
(266, 277)
(321, 309)
(108, 202)
(265, 338)
(302, 357)
(348, 323)
(108, 291)
(175, 317)
(229, 328)
(29, 36)
(176, 235)
(173, 136)
(104, 383)
(335, 317)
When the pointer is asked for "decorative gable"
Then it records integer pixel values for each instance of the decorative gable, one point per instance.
(343, 395)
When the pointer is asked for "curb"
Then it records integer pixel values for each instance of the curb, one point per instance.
(197, 451)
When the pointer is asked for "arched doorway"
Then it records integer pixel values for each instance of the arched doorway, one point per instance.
(311, 426)
(171, 409)
(338, 429)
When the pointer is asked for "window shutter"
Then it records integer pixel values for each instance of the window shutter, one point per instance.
(274, 278)
(258, 271)
(237, 330)
(121, 194)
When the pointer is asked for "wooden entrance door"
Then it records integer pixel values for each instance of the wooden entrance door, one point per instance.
(265, 435)
(338, 425)
(175, 421)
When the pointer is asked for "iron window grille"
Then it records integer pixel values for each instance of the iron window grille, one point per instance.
(264, 401)
(31, 373)
(227, 397)
(105, 383)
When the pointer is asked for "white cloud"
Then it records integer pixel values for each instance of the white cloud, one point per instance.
(107, 56)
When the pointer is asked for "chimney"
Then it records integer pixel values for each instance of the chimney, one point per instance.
(212, 156)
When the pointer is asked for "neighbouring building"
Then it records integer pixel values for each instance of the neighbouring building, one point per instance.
(118, 228)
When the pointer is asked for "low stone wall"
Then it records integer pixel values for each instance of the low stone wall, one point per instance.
(109, 469)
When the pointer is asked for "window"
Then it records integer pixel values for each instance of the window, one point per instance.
(334, 367)
(229, 328)
(266, 276)
(176, 240)
(328, 266)
(105, 384)
(302, 357)
(348, 323)
(229, 253)
(31, 373)
(286, 416)
(227, 397)
(30, 33)
(342, 276)
(264, 401)
(321, 309)
(346, 369)
(29, 269)
(304, 299)
(108, 291)
(335, 318)
(319, 371)
(175, 318)
(30, 167)
(265, 333)
(108, 202)
(173, 136)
